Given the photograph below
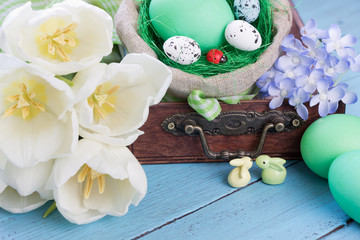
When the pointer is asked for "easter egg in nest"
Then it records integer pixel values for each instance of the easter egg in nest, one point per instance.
(202, 20)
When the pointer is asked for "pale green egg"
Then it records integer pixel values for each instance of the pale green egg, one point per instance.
(202, 20)
(344, 182)
(327, 138)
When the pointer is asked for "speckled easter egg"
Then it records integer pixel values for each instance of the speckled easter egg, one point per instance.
(327, 138)
(247, 10)
(182, 50)
(344, 182)
(202, 20)
(242, 35)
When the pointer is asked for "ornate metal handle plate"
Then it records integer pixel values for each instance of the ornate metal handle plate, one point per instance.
(232, 123)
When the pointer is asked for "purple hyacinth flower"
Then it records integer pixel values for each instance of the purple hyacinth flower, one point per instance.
(327, 98)
(337, 43)
(350, 97)
(317, 53)
(298, 98)
(354, 63)
(264, 81)
(297, 58)
(309, 82)
(332, 66)
(290, 42)
(284, 90)
(311, 31)
(288, 70)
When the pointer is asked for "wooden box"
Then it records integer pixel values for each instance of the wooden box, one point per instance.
(160, 146)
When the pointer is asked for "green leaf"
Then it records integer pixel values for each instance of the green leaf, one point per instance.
(50, 210)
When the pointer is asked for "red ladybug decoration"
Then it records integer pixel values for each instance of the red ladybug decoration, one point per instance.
(216, 56)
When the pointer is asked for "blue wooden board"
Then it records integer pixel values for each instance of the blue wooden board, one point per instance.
(194, 201)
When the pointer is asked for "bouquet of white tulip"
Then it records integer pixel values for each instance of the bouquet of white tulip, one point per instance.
(42, 116)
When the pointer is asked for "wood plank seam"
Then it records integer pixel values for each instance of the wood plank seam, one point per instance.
(206, 205)
(350, 221)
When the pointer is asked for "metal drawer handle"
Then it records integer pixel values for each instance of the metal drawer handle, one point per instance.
(230, 124)
(226, 155)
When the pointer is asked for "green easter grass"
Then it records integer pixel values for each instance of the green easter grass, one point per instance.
(236, 58)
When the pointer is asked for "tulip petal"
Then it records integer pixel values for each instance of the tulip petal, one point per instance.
(3, 160)
(125, 182)
(121, 140)
(21, 29)
(158, 74)
(11, 201)
(86, 81)
(138, 181)
(70, 141)
(69, 202)
(115, 200)
(27, 143)
(26, 180)
(9, 63)
(66, 167)
(2, 186)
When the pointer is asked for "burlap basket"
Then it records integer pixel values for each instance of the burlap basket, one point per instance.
(221, 85)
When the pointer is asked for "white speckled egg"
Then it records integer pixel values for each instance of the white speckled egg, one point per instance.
(247, 10)
(242, 35)
(182, 50)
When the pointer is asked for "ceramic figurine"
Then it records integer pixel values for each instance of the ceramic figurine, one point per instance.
(216, 56)
(240, 176)
(273, 171)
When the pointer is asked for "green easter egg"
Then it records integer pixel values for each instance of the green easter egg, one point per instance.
(327, 138)
(344, 182)
(202, 20)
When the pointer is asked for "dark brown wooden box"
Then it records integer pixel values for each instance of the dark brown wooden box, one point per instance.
(159, 146)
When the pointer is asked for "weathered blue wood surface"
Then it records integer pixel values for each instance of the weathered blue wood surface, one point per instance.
(193, 201)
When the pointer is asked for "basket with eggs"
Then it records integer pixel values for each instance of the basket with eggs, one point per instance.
(218, 46)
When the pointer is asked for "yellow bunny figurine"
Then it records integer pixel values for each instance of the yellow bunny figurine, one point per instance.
(240, 176)
(273, 171)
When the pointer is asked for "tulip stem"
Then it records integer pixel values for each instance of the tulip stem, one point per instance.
(66, 80)
(50, 210)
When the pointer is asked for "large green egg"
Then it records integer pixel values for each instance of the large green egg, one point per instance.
(202, 20)
(327, 138)
(344, 182)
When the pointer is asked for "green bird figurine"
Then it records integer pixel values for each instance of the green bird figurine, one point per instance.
(273, 171)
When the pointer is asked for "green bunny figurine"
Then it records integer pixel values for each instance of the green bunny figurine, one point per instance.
(240, 176)
(273, 171)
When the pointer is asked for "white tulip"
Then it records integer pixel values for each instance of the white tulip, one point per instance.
(114, 99)
(68, 37)
(97, 180)
(36, 121)
(23, 189)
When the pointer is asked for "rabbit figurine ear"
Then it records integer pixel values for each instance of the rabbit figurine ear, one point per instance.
(278, 161)
(239, 161)
(276, 167)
